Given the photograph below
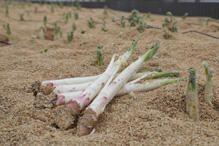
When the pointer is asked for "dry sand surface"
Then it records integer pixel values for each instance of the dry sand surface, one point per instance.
(152, 118)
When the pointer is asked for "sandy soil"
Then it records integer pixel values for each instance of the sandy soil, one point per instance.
(153, 118)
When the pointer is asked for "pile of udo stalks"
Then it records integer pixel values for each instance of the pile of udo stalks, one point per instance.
(92, 94)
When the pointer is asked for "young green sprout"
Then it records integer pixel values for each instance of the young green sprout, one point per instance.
(148, 15)
(21, 17)
(166, 34)
(66, 18)
(208, 84)
(99, 55)
(70, 35)
(103, 28)
(44, 51)
(192, 101)
(76, 16)
(61, 5)
(170, 22)
(33, 38)
(90, 23)
(69, 14)
(120, 34)
(77, 5)
(8, 29)
(185, 16)
(105, 10)
(207, 21)
(6, 11)
(83, 31)
(57, 32)
(113, 19)
(35, 10)
(45, 22)
(134, 18)
(141, 26)
(122, 21)
(28, 13)
(52, 9)
(74, 27)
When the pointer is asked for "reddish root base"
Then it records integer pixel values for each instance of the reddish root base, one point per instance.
(60, 100)
(87, 122)
(75, 107)
(48, 89)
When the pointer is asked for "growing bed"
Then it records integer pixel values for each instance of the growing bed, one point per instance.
(147, 118)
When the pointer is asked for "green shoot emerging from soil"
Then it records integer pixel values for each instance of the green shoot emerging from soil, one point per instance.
(192, 102)
(148, 15)
(70, 35)
(33, 38)
(90, 23)
(105, 10)
(45, 22)
(28, 13)
(52, 9)
(141, 26)
(83, 31)
(99, 55)
(207, 21)
(103, 28)
(113, 19)
(8, 29)
(74, 27)
(77, 5)
(166, 34)
(76, 16)
(185, 16)
(169, 25)
(120, 34)
(21, 17)
(122, 21)
(44, 51)
(57, 30)
(35, 10)
(134, 18)
(61, 5)
(170, 22)
(67, 16)
(208, 84)
(6, 11)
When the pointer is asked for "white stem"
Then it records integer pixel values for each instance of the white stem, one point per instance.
(69, 81)
(71, 88)
(77, 87)
(108, 92)
(129, 87)
(141, 77)
(133, 87)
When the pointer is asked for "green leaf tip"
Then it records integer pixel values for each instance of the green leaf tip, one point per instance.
(208, 72)
(134, 43)
(150, 53)
(192, 78)
(205, 64)
(165, 74)
(170, 81)
(99, 55)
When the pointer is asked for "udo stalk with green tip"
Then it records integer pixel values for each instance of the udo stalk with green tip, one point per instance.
(99, 55)
(192, 101)
(96, 108)
(208, 83)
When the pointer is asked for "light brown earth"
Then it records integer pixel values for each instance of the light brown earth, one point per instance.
(153, 118)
